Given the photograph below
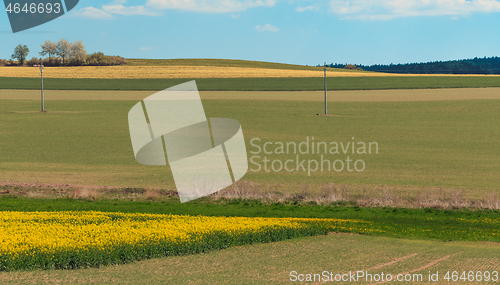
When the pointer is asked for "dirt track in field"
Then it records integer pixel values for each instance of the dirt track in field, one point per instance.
(379, 266)
(430, 264)
(355, 95)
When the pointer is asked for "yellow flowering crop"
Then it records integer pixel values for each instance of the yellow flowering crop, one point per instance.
(143, 72)
(71, 239)
(140, 72)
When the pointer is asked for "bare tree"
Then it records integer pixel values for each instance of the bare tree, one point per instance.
(78, 52)
(63, 49)
(48, 48)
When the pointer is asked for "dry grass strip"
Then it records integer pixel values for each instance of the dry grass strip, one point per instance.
(142, 72)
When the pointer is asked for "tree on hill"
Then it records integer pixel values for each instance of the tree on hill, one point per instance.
(64, 53)
(49, 48)
(63, 49)
(20, 53)
(69, 53)
(99, 59)
(78, 54)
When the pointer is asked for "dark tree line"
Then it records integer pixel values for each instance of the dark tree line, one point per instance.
(485, 65)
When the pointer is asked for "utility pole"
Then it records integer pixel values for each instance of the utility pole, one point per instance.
(41, 73)
(325, 89)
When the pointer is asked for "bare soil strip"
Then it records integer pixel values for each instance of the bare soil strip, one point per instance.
(355, 95)
(432, 263)
(378, 266)
(392, 262)
(54, 186)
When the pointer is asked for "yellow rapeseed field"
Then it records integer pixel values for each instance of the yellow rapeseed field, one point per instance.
(124, 72)
(69, 239)
(143, 72)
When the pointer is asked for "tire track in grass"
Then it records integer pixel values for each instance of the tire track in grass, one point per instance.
(432, 263)
(392, 262)
(377, 266)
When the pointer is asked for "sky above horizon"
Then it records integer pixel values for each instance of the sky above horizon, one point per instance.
(307, 32)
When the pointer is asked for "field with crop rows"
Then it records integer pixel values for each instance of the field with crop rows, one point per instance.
(272, 263)
(257, 84)
(87, 142)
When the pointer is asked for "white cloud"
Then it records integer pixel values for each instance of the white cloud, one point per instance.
(266, 28)
(151, 7)
(302, 9)
(115, 8)
(210, 6)
(389, 9)
(128, 11)
(93, 13)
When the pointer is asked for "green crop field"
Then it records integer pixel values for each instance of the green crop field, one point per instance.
(449, 144)
(258, 84)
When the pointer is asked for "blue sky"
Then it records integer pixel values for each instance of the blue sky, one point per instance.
(288, 31)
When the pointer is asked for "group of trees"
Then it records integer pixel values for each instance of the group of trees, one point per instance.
(73, 53)
(352, 67)
(486, 65)
(62, 53)
(99, 59)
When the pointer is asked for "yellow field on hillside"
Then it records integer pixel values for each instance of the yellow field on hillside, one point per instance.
(123, 72)
(109, 72)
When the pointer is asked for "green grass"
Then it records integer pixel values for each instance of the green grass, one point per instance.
(422, 145)
(432, 224)
(258, 84)
(221, 63)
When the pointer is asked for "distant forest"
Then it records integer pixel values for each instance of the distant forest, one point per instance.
(486, 65)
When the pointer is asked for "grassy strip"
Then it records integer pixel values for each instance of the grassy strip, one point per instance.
(257, 84)
(222, 63)
(431, 224)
